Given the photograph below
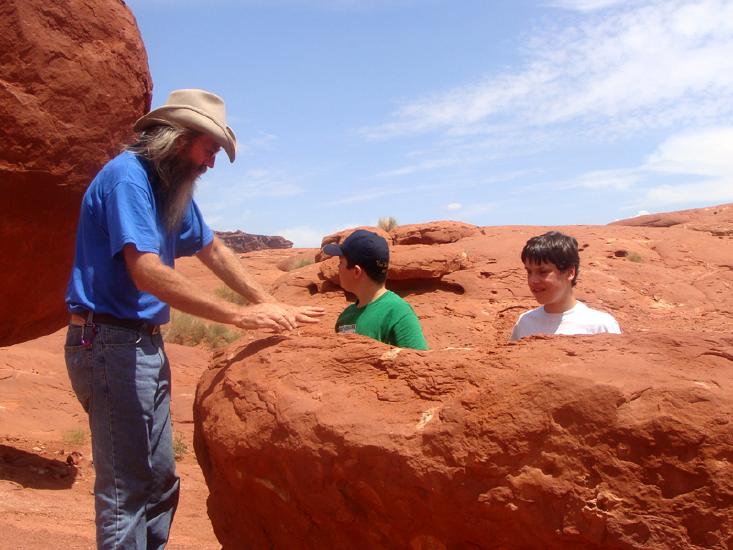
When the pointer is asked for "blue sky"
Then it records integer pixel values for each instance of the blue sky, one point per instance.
(503, 112)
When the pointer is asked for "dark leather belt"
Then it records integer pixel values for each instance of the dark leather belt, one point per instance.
(105, 319)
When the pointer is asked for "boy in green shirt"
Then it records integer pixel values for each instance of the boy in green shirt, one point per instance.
(378, 313)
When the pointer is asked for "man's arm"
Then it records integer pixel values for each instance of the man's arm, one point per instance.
(224, 263)
(150, 275)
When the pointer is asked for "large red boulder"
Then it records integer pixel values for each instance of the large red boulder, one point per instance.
(74, 79)
(439, 232)
(326, 441)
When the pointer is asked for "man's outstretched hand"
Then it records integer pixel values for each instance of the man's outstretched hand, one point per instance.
(278, 317)
(307, 314)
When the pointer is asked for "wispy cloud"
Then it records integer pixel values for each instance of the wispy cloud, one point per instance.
(700, 162)
(475, 210)
(708, 152)
(338, 5)
(371, 194)
(631, 66)
(307, 236)
(302, 236)
(262, 140)
(604, 179)
(217, 193)
(691, 167)
(587, 5)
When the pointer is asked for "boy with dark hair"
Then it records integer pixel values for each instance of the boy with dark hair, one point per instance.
(378, 313)
(552, 263)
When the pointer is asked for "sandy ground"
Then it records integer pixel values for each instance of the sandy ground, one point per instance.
(46, 503)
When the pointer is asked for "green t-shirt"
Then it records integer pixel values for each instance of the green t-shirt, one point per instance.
(388, 319)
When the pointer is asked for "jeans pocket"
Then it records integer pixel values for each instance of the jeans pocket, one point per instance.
(111, 336)
(79, 365)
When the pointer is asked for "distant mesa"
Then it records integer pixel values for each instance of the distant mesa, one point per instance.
(245, 242)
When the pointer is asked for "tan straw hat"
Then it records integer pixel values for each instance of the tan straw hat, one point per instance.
(195, 109)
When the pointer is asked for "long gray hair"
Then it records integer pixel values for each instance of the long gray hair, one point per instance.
(163, 146)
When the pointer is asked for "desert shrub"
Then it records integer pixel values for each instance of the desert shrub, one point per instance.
(180, 449)
(75, 437)
(188, 330)
(634, 257)
(300, 262)
(219, 335)
(226, 293)
(387, 224)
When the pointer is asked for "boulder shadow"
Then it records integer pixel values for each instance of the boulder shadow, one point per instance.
(34, 471)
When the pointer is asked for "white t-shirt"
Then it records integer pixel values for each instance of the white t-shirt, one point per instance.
(579, 320)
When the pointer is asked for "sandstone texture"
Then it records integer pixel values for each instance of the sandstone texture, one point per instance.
(317, 440)
(245, 242)
(75, 79)
(549, 444)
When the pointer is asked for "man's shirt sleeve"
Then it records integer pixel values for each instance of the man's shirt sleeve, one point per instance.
(195, 233)
(130, 219)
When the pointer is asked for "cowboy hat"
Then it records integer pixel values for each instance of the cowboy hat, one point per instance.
(195, 109)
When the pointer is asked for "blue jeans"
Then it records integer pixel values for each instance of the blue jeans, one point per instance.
(123, 381)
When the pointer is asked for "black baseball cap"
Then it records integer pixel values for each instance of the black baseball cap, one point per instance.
(363, 248)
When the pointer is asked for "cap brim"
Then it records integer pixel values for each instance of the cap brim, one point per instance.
(333, 249)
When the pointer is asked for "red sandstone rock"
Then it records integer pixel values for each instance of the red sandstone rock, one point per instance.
(245, 242)
(321, 440)
(696, 217)
(74, 80)
(406, 263)
(440, 232)
(330, 441)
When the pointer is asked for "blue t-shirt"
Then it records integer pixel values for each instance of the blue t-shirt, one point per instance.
(120, 208)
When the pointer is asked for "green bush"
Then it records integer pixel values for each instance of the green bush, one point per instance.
(188, 330)
(180, 449)
(387, 224)
(300, 262)
(226, 293)
(75, 437)
(219, 335)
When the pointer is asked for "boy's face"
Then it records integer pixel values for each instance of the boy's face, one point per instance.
(548, 284)
(346, 275)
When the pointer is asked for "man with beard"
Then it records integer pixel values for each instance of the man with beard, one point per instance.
(136, 217)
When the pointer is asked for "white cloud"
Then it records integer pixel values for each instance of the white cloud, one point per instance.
(605, 179)
(586, 5)
(454, 206)
(372, 194)
(303, 236)
(424, 166)
(707, 152)
(473, 211)
(254, 183)
(701, 159)
(337, 5)
(263, 140)
(690, 167)
(633, 66)
(705, 192)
